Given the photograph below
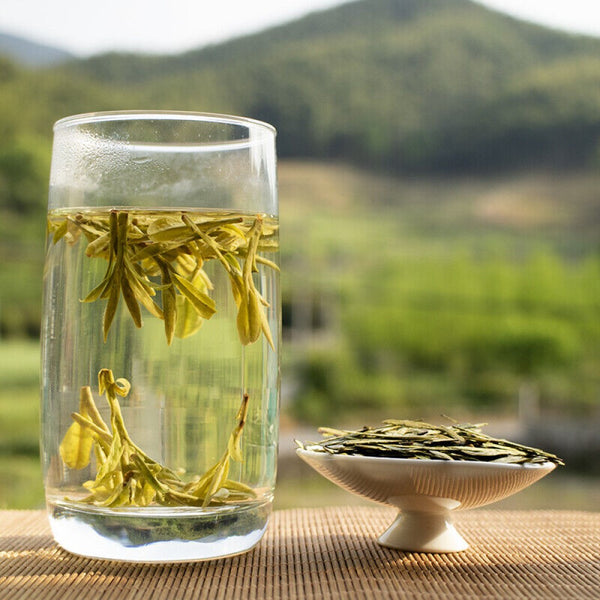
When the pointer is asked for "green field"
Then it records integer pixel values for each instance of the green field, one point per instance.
(20, 474)
(434, 296)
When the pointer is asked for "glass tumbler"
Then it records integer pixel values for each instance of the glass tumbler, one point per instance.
(160, 335)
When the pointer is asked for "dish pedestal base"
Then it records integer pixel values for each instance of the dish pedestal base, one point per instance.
(423, 532)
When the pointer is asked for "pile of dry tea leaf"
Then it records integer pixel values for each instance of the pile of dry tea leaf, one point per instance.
(416, 439)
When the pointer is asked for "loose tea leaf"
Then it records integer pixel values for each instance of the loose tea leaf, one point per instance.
(77, 444)
(416, 439)
(142, 248)
(216, 478)
(126, 475)
(251, 320)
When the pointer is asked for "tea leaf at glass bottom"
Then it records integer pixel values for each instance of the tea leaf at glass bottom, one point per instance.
(76, 446)
(126, 475)
(216, 477)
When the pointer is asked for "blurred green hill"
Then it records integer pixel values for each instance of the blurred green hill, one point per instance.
(407, 85)
(410, 85)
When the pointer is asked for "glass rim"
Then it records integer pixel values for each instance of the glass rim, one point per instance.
(173, 115)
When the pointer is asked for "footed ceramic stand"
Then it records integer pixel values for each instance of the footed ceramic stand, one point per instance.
(424, 524)
(425, 492)
(421, 532)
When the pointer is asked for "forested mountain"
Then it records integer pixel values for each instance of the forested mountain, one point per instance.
(404, 84)
(407, 85)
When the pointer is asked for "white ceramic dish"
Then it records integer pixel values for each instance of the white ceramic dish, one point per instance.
(425, 492)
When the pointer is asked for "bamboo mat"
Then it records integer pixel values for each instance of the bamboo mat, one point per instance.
(318, 554)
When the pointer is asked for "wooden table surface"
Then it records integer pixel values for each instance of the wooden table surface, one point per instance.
(326, 553)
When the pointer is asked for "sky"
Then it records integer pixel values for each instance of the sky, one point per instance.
(172, 26)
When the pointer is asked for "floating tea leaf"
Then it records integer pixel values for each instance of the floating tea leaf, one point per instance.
(142, 246)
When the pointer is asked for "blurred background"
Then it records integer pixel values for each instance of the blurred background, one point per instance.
(439, 181)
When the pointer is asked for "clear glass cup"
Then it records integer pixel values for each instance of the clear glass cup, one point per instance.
(160, 335)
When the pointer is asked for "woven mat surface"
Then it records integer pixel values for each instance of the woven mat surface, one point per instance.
(325, 553)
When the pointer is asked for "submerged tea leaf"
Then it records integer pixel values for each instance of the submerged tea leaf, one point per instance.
(126, 475)
(57, 231)
(248, 318)
(202, 303)
(216, 477)
(111, 307)
(188, 318)
(131, 302)
(76, 446)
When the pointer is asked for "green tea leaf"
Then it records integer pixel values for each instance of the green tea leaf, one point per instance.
(99, 246)
(88, 408)
(249, 319)
(264, 324)
(203, 304)
(59, 231)
(234, 444)
(127, 476)
(111, 307)
(236, 486)
(144, 295)
(98, 291)
(76, 447)
(216, 482)
(140, 246)
(416, 439)
(131, 302)
(166, 229)
(188, 320)
(169, 300)
(97, 433)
